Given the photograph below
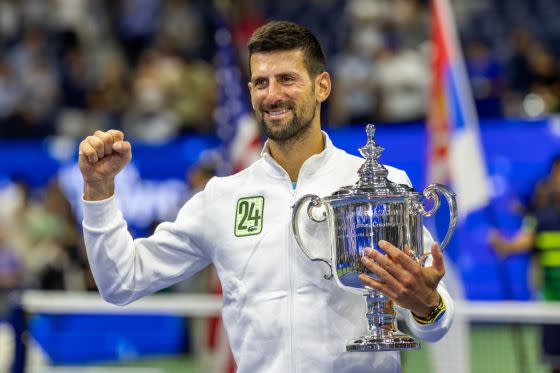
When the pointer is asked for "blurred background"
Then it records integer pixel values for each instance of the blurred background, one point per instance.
(172, 75)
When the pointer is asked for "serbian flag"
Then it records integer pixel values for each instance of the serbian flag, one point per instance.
(454, 151)
(454, 158)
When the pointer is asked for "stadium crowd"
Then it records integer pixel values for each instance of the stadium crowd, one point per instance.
(147, 67)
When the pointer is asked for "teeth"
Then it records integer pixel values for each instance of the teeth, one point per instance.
(281, 112)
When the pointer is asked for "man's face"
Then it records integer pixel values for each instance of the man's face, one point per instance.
(282, 93)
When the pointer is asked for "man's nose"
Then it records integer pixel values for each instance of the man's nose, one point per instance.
(274, 93)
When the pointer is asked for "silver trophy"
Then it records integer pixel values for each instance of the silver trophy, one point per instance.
(358, 217)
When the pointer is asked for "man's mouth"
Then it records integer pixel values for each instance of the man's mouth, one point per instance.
(276, 113)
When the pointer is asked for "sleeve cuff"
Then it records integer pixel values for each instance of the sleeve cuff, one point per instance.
(98, 213)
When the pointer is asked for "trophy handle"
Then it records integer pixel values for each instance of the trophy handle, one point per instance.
(314, 202)
(431, 192)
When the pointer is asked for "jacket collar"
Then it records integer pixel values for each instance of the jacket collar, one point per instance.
(311, 164)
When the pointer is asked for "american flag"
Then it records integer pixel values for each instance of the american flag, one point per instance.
(236, 123)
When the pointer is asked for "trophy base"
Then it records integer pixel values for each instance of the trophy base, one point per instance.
(394, 342)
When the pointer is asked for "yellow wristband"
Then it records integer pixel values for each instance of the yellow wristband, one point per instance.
(434, 316)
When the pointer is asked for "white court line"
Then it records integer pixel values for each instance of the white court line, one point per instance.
(206, 305)
(100, 369)
(196, 305)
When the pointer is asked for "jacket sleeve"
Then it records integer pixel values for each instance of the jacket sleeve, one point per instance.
(125, 269)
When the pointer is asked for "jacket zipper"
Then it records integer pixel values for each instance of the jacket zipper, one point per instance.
(291, 248)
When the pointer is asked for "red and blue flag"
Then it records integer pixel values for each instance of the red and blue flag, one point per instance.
(455, 154)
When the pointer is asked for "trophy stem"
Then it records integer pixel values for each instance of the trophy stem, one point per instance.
(380, 313)
(383, 332)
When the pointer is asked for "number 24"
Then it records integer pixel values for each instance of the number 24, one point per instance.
(248, 212)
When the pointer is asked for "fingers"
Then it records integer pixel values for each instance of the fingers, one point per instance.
(437, 263)
(117, 135)
(88, 151)
(119, 145)
(397, 255)
(386, 270)
(102, 144)
(378, 285)
(107, 140)
(377, 262)
(407, 251)
(123, 147)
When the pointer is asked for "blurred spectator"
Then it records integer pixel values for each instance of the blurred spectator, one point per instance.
(201, 173)
(138, 21)
(194, 96)
(39, 99)
(355, 94)
(485, 74)
(10, 96)
(355, 98)
(546, 78)
(44, 234)
(73, 78)
(32, 49)
(185, 25)
(150, 118)
(10, 19)
(403, 78)
(62, 243)
(518, 72)
(411, 19)
(11, 272)
(541, 235)
(110, 94)
(33, 71)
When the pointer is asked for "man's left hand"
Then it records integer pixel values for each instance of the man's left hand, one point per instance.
(404, 280)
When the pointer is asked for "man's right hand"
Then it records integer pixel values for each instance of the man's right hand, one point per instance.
(101, 157)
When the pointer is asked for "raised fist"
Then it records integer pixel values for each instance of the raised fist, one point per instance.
(101, 157)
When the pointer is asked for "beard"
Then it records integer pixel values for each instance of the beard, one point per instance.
(290, 129)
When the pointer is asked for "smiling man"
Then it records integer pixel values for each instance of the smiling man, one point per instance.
(279, 313)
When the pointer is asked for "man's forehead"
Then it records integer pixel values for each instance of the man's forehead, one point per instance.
(275, 61)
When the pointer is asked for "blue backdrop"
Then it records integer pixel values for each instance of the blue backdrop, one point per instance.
(517, 154)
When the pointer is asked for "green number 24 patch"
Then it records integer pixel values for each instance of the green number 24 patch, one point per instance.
(249, 216)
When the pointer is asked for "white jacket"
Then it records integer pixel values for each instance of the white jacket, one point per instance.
(279, 313)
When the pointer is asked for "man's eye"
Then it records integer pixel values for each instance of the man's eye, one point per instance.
(260, 83)
(287, 78)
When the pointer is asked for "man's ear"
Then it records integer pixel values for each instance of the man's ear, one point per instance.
(323, 83)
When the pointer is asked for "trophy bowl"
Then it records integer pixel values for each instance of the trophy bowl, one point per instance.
(358, 217)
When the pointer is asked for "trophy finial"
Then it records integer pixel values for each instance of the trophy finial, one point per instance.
(370, 130)
(371, 151)
(371, 172)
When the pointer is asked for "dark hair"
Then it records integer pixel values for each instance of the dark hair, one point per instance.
(285, 36)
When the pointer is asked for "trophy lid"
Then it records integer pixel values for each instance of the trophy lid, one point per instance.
(373, 175)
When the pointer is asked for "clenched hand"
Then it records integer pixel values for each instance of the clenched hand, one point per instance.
(101, 157)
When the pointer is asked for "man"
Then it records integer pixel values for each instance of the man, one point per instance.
(280, 314)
